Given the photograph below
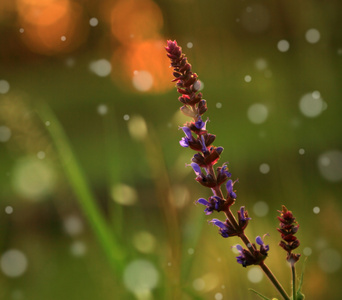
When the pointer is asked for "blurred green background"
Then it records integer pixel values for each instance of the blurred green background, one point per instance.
(96, 201)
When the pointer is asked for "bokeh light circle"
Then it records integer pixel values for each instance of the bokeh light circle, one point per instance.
(330, 260)
(260, 208)
(124, 194)
(311, 104)
(5, 134)
(254, 274)
(283, 45)
(264, 168)
(101, 67)
(13, 263)
(312, 36)
(257, 113)
(140, 276)
(4, 86)
(330, 165)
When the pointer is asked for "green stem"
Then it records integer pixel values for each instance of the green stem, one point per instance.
(274, 281)
(293, 282)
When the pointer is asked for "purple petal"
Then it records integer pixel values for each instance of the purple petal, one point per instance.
(229, 186)
(200, 124)
(219, 223)
(196, 168)
(259, 240)
(204, 147)
(187, 132)
(202, 201)
(239, 247)
(184, 142)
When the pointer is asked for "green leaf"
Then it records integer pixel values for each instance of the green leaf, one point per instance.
(261, 296)
(300, 295)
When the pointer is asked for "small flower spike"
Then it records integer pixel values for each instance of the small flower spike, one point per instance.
(245, 258)
(288, 229)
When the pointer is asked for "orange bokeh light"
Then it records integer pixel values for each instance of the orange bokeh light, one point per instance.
(51, 26)
(143, 66)
(135, 20)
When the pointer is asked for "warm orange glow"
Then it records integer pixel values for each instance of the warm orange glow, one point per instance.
(52, 26)
(144, 66)
(136, 20)
(42, 12)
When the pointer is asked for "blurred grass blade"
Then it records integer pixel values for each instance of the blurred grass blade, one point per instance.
(85, 197)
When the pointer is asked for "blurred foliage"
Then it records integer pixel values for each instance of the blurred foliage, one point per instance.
(101, 68)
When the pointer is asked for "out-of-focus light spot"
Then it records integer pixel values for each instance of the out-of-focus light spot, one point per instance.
(301, 151)
(21, 30)
(41, 155)
(126, 117)
(330, 165)
(4, 86)
(189, 45)
(311, 105)
(135, 20)
(5, 134)
(321, 243)
(93, 22)
(124, 194)
(47, 123)
(254, 275)
(256, 18)
(142, 66)
(140, 276)
(339, 51)
(218, 296)
(47, 24)
(307, 251)
(257, 113)
(268, 74)
(218, 105)
(191, 251)
(78, 248)
(33, 179)
(283, 45)
(169, 264)
(73, 225)
(261, 64)
(17, 295)
(199, 85)
(264, 168)
(329, 260)
(260, 208)
(101, 67)
(248, 78)
(198, 284)
(316, 210)
(142, 80)
(144, 242)
(312, 36)
(8, 209)
(223, 287)
(181, 195)
(137, 128)
(70, 62)
(13, 263)
(102, 109)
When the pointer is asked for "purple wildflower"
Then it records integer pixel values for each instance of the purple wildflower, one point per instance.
(197, 169)
(184, 142)
(263, 248)
(245, 258)
(224, 228)
(229, 186)
(200, 124)
(214, 203)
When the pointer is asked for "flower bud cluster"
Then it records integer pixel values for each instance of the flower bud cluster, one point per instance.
(288, 229)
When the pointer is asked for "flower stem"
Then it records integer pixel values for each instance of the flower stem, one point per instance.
(293, 282)
(274, 281)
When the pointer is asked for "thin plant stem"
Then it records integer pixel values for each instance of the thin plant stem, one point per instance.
(274, 281)
(293, 282)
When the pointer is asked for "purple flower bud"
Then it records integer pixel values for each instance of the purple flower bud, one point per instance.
(204, 147)
(184, 142)
(196, 168)
(229, 187)
(214, 203)
(187, 132)
(263, 248)
(200, 124)
(223, 227)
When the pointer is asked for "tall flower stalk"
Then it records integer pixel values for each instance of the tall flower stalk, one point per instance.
(203, 163)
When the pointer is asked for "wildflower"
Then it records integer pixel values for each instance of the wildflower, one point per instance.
(214, 203)
(225, 229)
(229, 186)
(185, 141)
(288, 229)
(245, 258)
(243, 217)
(263, 248)
(222, 173)
(205, 180)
